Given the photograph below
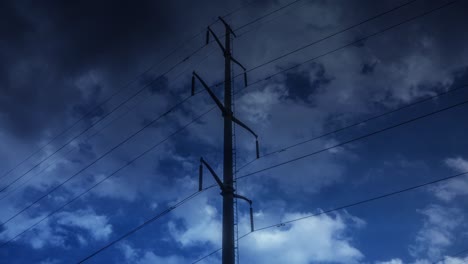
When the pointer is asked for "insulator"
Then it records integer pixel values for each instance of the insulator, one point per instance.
(200, 178)
(245, 79)
(193, 85)
(251, 220)
(257, 148)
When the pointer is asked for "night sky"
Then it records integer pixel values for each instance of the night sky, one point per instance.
(351, 100)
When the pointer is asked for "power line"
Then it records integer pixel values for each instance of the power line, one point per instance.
(268, 14)
(180, 62)
(367, 37)
(334, 34)
(97, 132)
(459, 253)
(112, 96)
(94, 123)
(356, 124)
(106, 101)
(353, 204)
(349, 44)
(360, 40)
(342, 47)
(100, 181)
(425, 13)
(355, 139)
(99, 158)
(147, 222)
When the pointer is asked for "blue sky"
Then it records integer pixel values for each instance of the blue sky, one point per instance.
(59, 60)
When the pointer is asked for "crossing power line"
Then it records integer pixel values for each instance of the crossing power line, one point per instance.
(346, 206)
(349, 205)
(463, 103)
(256, 82)
(98, 182)
(362, 122)
(128, 110)
(105, 101)
(350, 44)
(144, 224)
(328, 53)
(108, 99)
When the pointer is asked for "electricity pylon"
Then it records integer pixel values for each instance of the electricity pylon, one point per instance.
(227, 185)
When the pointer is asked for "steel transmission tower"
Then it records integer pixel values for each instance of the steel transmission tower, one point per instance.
(227, 185)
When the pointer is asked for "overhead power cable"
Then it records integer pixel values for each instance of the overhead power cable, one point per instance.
(268, 14)
(457, 254)
(94, 123)
(360, 23)
(141, 226)
(147, 222)
(362, 122)
(351, 44)
(108, 99)
(346, 206)
(129, 109)
(324, 54)
(379, 197)
(355, 139)
(98, 182)
(367, 37)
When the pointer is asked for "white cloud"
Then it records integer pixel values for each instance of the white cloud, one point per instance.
(444, 260)
(317, 239)
(323, 238)
(437, 232)
(53, 231)
(453, 260)
(150, 258)
(137, 256)
(200, 224)
(392, 261)
(456, 187)
(96, 225)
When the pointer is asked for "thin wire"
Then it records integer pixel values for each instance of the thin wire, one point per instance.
(360, 40)
(151, 67)
(423, 14)
(105, 178)
(98, 121)
(147, 222)
(97, 159)
(355, 139)
(349, 44)
(206, 256)
(268, 14)
(353, 43)
(239, 9)
(453, 255)
(355, 124)
(368, 200)
(107, 100)
(117, 92)
(104, 127)
(335, 33)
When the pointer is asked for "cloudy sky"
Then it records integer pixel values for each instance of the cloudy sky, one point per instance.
(89, 151)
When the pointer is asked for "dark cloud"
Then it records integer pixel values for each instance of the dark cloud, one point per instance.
(368, 68)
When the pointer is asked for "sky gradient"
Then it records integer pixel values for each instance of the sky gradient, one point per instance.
(351, 100)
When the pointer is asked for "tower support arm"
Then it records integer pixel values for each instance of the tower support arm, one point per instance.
(213, 96)
(215, 176)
